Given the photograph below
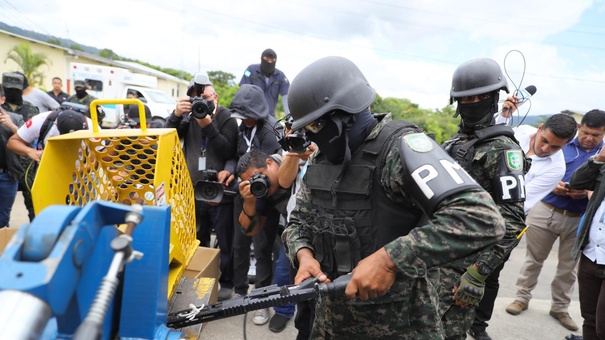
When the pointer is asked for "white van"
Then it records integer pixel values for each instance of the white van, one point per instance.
(108, 82)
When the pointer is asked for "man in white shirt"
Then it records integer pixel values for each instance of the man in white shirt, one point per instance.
(543, 145)
(22, 142)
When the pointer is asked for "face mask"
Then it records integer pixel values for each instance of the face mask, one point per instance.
(14, 96)
(266, 67)
(81, 93)
(331, 141)
(211, 107)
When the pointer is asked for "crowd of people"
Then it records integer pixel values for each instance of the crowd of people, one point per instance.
(423, 229)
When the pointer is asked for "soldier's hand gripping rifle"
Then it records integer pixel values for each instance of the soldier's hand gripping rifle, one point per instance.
(257, 299)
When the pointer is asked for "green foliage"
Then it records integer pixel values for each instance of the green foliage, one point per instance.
(220, 78)
(440, 123)
(54, 41)
(109, 54)
(225, 94)
(29, 62)
(76, 47)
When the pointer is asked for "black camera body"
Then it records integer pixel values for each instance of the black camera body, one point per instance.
(295, 142)
(200, 107)
(259, 185)
(209, 189)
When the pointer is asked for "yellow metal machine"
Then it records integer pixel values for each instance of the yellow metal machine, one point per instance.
(123, 166)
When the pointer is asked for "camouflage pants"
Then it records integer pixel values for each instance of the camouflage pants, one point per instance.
(25, 184)
(411, 314)
(456, 320)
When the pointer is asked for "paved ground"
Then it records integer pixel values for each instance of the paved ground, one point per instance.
(535, 323)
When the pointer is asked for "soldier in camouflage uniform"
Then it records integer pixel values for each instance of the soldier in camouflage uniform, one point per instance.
(381, 200)
(82, 97)
(492, 156)
(13, 84)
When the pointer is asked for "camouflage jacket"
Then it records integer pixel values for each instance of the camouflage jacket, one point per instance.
(27, 109)
(462, 224)
(485, 167)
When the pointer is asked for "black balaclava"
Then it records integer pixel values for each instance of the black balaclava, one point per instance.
(266, 67)
(14, 96)
(81, 93)
(343, 134)
(476, 116)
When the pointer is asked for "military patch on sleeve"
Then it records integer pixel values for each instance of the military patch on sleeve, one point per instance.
(514, 160)
(247, 73)
(418, 142)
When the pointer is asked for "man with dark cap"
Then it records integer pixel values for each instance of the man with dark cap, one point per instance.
(10, 165)
(133, 115)
(82, 97)
(44, 126)
(13, 84)
(271, 80)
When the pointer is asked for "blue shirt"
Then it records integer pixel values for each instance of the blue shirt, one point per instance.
(575, 155)
(273, 86)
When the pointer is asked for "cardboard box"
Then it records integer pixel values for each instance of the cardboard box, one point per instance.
(205, 264)
(5, 235)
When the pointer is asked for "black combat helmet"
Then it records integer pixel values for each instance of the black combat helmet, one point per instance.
(475, 77)
(328, 84)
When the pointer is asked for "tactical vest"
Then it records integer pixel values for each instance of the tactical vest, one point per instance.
(508, 182)
(464, 153)
(354, 217)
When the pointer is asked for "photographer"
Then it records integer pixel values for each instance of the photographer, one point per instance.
(266, 188)
(210, 139)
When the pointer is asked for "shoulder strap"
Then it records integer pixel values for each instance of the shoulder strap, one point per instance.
(483, 134)
(46, 126)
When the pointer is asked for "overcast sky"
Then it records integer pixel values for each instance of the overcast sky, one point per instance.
(407, 49)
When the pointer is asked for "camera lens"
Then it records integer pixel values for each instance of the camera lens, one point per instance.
(259, 185)
(199, 107)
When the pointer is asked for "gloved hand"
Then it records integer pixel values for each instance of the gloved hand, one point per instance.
(470, 288)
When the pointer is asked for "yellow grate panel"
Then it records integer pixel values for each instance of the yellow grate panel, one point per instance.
(124, 166)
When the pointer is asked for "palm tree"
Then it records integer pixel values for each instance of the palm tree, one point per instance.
(29, 62)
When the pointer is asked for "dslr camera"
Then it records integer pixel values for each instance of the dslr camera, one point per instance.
(259, 185)
(209, 189)
(295, 141)
(200, 108)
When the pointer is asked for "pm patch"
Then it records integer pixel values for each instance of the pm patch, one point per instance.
(514, 160)
(418, 142)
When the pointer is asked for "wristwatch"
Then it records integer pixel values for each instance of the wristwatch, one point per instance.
(594, 160)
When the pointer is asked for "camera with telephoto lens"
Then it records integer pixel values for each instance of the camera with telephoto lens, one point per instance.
(209, 189)
(259, 185)
(199, 107)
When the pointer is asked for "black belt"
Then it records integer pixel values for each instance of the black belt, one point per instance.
(3, 171)
(562, 211)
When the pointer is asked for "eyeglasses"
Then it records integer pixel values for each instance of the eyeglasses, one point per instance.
(316, 125)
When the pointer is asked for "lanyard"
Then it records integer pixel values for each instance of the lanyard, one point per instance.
(249, 141)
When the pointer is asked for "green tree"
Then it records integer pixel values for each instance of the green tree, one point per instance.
(109, 54)
(54, 41)
(76, 47)
(29, 62)
(220, 78)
